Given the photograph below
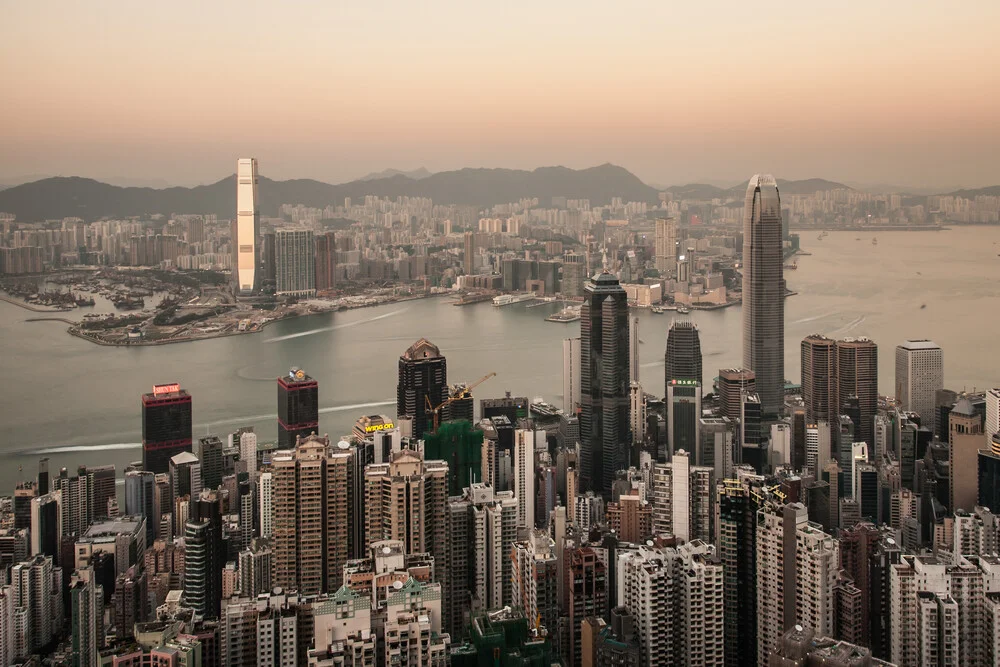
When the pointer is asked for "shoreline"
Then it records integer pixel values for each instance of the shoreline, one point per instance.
(75, 330)
(34, 309)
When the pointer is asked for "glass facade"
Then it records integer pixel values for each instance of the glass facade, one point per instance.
(764, 292)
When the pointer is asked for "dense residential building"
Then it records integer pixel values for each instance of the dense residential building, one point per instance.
(604, 382)
(535, 578)
(797, 567)
(764, 292)
(326, 262)
(676, 599)
(311, 515)
(683, 499)
(481, 522)
(944, 611)
(919, 376)
(295, 261)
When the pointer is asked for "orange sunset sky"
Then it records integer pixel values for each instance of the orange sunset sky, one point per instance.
(883, 91)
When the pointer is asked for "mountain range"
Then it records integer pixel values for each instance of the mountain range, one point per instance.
(60, 197)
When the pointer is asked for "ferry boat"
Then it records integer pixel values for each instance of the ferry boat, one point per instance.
(508, 299)
(542, 409)
(568, 314)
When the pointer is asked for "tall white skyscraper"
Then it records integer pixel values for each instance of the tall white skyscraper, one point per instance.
(248, 451)
(266, 501)
(633, 349)
(666, 246)
(247, 241)
(764, 292)
(526, 441)
(919, 374)
(571, 375)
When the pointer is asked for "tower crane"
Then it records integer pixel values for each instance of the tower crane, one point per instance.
(460, 393)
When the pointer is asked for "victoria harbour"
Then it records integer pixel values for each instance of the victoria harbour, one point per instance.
(83, 406)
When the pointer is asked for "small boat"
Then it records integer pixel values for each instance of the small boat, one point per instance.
(858, 239)
(874, 241)
(683, 310)
(658, 310)
(922, 306)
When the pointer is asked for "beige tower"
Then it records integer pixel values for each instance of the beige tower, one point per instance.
(311, 514)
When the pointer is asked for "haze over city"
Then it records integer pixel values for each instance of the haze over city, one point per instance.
(893, 92)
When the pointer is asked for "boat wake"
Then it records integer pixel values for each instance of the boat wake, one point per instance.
(335, 327)
(68, 449)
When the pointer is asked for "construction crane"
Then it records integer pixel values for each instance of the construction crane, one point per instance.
(461, 392)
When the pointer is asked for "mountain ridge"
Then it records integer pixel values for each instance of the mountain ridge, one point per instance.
(90, 199)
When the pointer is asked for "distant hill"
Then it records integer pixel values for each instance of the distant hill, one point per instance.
(697, 191)
(416, 174)
(807, 186)
(991, 191)
(60, 197)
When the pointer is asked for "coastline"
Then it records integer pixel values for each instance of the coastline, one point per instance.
(75, 330)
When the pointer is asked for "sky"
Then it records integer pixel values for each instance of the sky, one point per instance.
(883, 91)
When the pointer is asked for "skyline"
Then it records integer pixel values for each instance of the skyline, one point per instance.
(666, 92)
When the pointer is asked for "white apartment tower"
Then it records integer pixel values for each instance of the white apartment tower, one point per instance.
(797, 566)
(265, 497)
(571, 375)
(247, 239)
(676, 598)
(683, 499)
(526, 442)
(944, 611)
(919, 374)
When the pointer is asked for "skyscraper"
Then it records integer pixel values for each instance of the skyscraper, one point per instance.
(665, 248)
(470, 253)
(604, 382)
(311, 517)
(919, 375)
(298, 407)
(683, 399)
(204, 555)
(633, 349)
(857, 375)
(819, 379)
(423, 378)
(295, 261)
(247, 239)
(764, 292)
(965, 439)
(326, 261)
(571, 375)
(166, 426)
(682, 358)
(732, 383)
(139, 485)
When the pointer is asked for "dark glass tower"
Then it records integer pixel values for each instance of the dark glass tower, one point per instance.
(764, 292)
(298, 407)
(604, 382)
(423, 377)
(819, 379)
(682, 360)
(205, 555)
(166, 426)
(857, 375)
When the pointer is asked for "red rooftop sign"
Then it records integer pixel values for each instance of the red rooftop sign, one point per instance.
(165, 389)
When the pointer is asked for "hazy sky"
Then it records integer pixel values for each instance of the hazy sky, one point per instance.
(903, 92)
